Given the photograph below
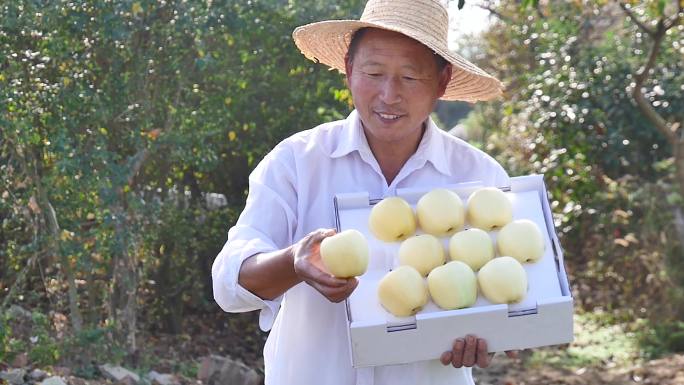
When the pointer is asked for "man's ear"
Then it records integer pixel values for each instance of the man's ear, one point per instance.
(444, 79)
(348, 68)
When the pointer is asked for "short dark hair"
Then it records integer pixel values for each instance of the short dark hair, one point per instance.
(358, 34)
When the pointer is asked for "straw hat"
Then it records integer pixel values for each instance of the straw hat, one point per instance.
(423, 20)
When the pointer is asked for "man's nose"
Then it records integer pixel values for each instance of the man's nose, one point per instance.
(391, 91)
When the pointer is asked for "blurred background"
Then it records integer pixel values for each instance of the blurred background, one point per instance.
(129, 127)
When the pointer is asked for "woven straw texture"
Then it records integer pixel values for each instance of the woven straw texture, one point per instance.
(423, 20)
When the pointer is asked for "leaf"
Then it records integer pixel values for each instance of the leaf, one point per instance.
(674, 199)
(136, 8)
(621, 242)
(154, 134)
(527, 3)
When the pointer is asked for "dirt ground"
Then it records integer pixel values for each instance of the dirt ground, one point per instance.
(664, 371)
(239, 338)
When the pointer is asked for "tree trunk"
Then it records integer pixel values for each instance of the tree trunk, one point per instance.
(55, 233)
(124, 286)
(679, 169)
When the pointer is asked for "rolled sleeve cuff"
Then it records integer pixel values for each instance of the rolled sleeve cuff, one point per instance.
(229, 294)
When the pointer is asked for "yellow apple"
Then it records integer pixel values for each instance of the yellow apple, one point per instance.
(345, 254)
(522, 240)
(422, 252)
(453, 286)
(440, 212)
(489, 207)
(402, 291)
(472, 246)
(392, 219)
(503, 280)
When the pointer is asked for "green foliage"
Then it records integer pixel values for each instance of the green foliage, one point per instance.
(85, 350)
(569, 115)
(5, 335)
(596, 343)
(44, 349)
(20, 334)
(121, 118)
(660, 338)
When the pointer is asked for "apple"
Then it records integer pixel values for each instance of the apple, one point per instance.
(522, 240)
(503, 280)
(402, 291)
(453, 286)
(392, 219)
(472, 246)
(489, 207)
(345, 254)
(423, 252)
(440, 212)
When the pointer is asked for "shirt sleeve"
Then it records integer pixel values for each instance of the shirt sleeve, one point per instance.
(266, 224)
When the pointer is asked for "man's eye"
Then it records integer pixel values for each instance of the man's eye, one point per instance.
(374, 75)
(409, 78)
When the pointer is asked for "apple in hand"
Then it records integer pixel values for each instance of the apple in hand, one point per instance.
(345, 254)
(402, 291)
(503, 280)
(522, 240)
(422, 252)
(440, 212)
(392, 219)
(489, 207)
(453, 286)
(472, 246)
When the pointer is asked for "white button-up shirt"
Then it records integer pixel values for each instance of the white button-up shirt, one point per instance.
(291, 194)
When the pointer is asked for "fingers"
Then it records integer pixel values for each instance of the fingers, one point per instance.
(470, 351)
(445, 358)
(457, 353)
(309, 272)
(318, 235)
(483, 356)
(336, 294)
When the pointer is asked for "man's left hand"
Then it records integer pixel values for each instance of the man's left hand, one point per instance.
(470, 351)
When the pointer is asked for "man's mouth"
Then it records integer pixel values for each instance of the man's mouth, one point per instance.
(389, 116)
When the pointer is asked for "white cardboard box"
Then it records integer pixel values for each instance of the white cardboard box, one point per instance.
(544, 317)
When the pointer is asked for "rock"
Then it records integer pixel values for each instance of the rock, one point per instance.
(62, 371)
(54, 380)
(13, 376)
(18, 312)
(157, 378)
(77, 381)
(119, 374)
(20, 361)
(210, 365)
(37, 375)
(216, 370)
(128, 380)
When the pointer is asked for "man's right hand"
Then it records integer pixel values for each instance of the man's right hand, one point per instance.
(309, 268)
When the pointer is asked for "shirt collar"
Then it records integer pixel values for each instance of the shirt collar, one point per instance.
(431, 148)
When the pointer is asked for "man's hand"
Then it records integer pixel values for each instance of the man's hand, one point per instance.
(309, 268)
(470, 351)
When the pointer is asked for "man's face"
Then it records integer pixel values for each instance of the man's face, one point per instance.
(395, 83)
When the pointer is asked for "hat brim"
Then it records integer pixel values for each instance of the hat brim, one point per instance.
(328, 41)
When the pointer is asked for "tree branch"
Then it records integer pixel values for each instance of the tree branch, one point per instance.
(636, 21)
(496, 13)
(641, 75)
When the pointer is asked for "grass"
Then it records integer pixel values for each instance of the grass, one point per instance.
(596, 343)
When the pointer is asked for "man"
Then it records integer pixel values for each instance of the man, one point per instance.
(397, 66)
